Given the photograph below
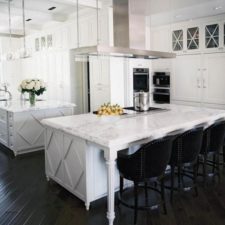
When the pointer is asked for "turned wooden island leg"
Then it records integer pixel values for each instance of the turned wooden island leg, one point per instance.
(110, 162)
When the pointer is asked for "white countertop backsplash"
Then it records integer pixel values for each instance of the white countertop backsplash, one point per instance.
(115, 131)
(22, 106)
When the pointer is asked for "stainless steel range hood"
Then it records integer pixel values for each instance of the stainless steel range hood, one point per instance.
(129, 29)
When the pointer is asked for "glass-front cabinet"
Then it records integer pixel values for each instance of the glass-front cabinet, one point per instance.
(178, 39)
(191, 38)
(212, 36)
(186, 39)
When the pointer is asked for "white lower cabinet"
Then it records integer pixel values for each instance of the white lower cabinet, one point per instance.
(186, 78)
(199, 79)
(214, 78)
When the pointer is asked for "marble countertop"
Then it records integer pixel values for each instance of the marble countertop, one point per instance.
(22, 106)
(118, 131)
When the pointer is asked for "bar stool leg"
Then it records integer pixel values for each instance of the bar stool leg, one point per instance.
(217, 162)
(204, 169)
(121, 190)
(163, 196)
(214, 164)
(135, 202)
(172, 183)
(195, 170)
(224, 155)
(179, 178)
(146, 193)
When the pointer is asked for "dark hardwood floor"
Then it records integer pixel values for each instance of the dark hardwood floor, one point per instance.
(27, 198)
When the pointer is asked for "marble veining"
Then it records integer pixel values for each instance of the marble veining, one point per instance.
(22, 106)
(117, 131)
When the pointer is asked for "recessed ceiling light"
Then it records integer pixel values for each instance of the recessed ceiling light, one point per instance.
(52, 8)
(218, 8)
(28, 19)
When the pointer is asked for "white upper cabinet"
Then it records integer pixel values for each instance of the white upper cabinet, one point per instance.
(212, 38)
(186, 39)
(160, 39)
(205, 35)
(88, 31)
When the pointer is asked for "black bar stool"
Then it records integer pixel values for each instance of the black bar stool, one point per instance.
(185, 151)
(224, 153)
(145, 165)
(213, 145)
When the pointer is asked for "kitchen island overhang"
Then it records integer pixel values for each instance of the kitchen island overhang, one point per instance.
(81, 150)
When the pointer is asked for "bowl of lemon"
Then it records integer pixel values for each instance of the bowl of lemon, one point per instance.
(110, 110)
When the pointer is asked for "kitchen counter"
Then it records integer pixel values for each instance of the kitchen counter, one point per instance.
(20, 128)
(112, 131)
(23, 106)
(81, 150)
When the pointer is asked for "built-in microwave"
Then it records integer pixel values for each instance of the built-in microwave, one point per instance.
(161, 79)
(141, 79)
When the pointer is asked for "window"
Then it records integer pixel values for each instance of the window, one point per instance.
(177, 40)
(192, 38)
(212, 36)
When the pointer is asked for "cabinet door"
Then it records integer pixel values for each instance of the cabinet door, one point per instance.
(99, 96)
(214, 78)
(186, 78)
(178, 40)
(99, 71)
(160, 39)
(83, 33)
(212, 36)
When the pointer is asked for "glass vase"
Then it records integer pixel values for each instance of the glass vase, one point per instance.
(32, 98)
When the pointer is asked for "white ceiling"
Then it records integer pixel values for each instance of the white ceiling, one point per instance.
(161, 11)
(37, 10)
(169, 11)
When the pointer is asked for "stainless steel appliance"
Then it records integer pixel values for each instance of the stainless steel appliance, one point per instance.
(141, 101)
(141, 79)
(161, 83)
(129, 25)
(161, 79)
(161, 95)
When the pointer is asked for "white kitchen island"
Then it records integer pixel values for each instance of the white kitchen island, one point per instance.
(20, 128)
(81, 150)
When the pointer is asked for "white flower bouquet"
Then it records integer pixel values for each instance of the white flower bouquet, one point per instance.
(35, 86)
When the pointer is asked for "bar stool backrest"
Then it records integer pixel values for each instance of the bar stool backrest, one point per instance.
(147, 162)
(186, 146)
(213, 139)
